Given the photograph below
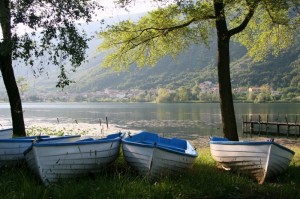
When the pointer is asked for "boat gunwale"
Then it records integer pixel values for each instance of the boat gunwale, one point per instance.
(80, 142)
(8, 129)
(251, 143)
(157, 146)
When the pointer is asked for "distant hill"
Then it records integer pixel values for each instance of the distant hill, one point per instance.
(196, 65)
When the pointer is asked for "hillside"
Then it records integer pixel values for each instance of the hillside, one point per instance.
(196, 65)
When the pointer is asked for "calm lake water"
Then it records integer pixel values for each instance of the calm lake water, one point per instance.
(185, 120)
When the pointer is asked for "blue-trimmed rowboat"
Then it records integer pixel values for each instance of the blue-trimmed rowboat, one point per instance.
(6, 133)
(260, 160)
(155, 156)
(12, 149)
(54, 161)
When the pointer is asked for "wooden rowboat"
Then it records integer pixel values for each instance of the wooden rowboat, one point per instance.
(260, 160)
(54, 161)
(12, 149)
(6, 133)
(154, 156)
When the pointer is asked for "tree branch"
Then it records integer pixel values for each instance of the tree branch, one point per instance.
(243, 25)
(163, 32)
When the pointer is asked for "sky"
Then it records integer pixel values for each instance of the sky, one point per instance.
(138, 6)
(111, 10)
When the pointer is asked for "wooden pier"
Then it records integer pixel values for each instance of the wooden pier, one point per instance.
(277, 128)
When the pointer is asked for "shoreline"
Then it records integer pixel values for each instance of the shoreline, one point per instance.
(97, 130)
(84, 129)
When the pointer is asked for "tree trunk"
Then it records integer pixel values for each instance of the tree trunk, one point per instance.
(226, 99)
(13, 96)
(8, 73)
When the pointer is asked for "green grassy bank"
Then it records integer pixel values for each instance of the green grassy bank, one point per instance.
(119, 181)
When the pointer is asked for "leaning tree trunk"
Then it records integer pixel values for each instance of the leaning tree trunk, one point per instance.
(8, 73)
(13, 96)
(226, 99)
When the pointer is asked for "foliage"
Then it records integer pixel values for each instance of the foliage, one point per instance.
(182, 24)
(162, 32)
(271, 30)
(51, 37)
(163, 95)
(182, 94)
(171, 29)
(22, 84)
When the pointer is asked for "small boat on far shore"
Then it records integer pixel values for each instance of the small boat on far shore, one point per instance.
(54, 161)
(260, 160)
(155, 156)
(12, 149)
(6, 133)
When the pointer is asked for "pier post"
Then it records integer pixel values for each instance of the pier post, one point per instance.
(298, 126)
(296, 121)
(106, 122)
(267, 124)
(251, 125)
(259, 124)
(288, 126)
(243, 123)
(247, 123)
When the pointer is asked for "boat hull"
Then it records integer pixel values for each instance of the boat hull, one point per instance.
(52, 162)
(6, 133)
(154, 159)
(259, 160)
(12, 149)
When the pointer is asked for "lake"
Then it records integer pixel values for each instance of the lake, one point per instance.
(185, 120)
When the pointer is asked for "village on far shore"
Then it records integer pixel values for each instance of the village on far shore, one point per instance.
(205, 91)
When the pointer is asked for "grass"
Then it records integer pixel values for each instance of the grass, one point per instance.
(119, 181)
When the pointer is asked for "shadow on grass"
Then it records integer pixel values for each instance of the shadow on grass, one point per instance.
(118, 180)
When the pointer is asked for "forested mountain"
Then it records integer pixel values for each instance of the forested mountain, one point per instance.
(196, 65)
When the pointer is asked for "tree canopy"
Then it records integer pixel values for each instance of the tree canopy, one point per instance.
(45, 33)
(50, 37)
(172, 29)
(167, 31)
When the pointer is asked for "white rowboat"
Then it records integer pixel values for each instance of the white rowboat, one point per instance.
(154, 156)
(6, 133)
(54, 161)
(12, 149)
(259, 160)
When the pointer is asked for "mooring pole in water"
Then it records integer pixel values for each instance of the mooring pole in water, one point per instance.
(57, 120)
(259, 124)
(106, 122)
(243, 122)
(267, 127)
(100, 121)
(251, 125)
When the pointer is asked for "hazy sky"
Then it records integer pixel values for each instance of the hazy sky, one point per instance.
(111, 10)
